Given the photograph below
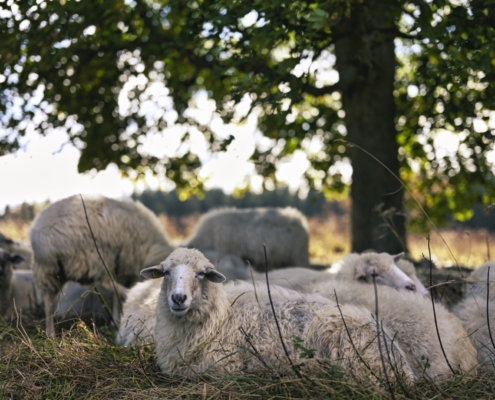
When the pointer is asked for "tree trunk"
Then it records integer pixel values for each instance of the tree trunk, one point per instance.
(366, 63)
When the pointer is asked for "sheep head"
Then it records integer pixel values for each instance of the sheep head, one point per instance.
(186, 272)
(384, 269)
(7, 260)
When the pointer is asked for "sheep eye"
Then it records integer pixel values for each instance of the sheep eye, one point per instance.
(166, 273)
(201, 274)
(374, 274)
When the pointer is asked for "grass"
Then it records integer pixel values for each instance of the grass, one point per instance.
(85, 364)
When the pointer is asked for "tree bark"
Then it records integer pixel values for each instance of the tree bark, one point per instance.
(363, 47)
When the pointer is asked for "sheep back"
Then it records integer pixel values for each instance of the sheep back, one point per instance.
(184, 345)
(138, 320)
(244, 231)
(126, 233)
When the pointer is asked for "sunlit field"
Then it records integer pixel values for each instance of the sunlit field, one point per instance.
(330, 240)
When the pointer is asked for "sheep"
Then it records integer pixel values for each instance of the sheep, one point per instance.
(17, 247)
(408, 268)
(471, 311)
(228, 264)
(138, 315)
(17, 291)
(409, 317)
(354, 267)
(87, 303)
(128, 235)
(243, 232)
(203, 325)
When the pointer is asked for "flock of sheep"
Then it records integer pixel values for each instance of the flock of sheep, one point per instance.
(89, 254)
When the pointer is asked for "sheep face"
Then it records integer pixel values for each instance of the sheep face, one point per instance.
(6, 261)
(184, 279)
(382, 267)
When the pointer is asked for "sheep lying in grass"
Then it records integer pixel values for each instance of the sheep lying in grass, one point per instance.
(138, 316)
(203, 325)
(17, 291)
(472, 312)
(129, 237)
(388, 271)
(242, 232)
(17, 247)
(138, 320)
(91, 304)
(409, 318)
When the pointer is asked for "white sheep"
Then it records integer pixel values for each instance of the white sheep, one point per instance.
(17, 291)
(138, 321)
(409, 318)
(128, 235)
(138, 315)
(202, 325)
(388, 270)
(471, 311)
(243, 232)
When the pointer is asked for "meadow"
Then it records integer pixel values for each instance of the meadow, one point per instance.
(85, 363)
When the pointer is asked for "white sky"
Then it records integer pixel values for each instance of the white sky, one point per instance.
(47, 169)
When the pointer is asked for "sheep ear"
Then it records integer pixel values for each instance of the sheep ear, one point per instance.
(397, 257)
(16, 259)
(152, 272)
(214, 276)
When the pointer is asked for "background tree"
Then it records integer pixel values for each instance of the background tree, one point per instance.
(410, 74)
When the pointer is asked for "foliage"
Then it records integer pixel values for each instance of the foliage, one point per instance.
(67, 63)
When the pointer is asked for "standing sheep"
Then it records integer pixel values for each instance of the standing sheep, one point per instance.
(472, 312)
(203, 325)
(128, 235)
(409, 317)
(243, 232)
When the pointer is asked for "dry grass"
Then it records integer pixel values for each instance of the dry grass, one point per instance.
(85, 364)
(15, 229)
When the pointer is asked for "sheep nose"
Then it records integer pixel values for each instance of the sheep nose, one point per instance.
(179, 298)
(411, 287)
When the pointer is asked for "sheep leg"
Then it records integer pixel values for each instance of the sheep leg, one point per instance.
(49, 299)
(115, 309)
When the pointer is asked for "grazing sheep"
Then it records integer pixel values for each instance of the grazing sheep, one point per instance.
(353, 268)
(243, 231)
(138, 315)
(409, 318)
(87, 303)
(17, 291)
(128, 235)
(203, 325)
(17, 247)
(472, 313)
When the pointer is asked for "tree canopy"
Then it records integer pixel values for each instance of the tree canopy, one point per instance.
(409, 83)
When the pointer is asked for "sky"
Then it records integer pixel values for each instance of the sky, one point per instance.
(46, 168)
